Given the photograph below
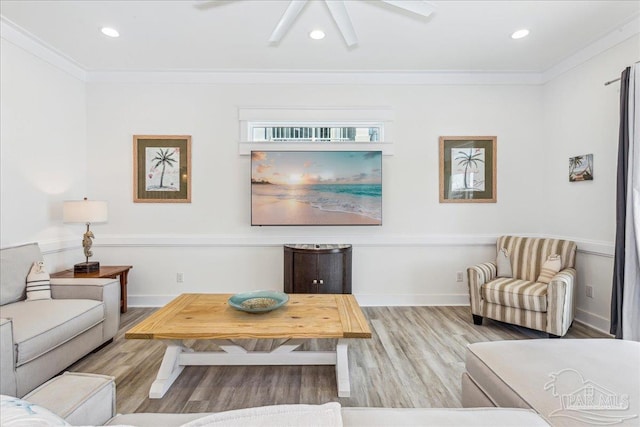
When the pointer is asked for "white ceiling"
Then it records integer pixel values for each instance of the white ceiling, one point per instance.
(233, 34)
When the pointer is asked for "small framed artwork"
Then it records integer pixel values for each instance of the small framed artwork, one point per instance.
(468, 169)
(581, 168)
(162, 169)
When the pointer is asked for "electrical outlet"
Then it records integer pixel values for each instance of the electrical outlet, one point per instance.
(459, 276)
(589, 291)
(179, 277)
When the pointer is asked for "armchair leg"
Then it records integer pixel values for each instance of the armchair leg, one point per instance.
(477, 320)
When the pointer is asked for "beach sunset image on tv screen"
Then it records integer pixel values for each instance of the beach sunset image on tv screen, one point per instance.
(316, 188)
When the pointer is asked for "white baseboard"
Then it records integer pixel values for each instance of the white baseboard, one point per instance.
(365, 300)
(592, 320)
(396, 300)
(149, 300)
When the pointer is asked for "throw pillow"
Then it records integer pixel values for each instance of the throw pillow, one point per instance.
(504, 264)
(275, 416)
(38, 282)
(550, 268)
(20, 413)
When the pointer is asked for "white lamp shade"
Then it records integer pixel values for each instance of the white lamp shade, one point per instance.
(84, 211)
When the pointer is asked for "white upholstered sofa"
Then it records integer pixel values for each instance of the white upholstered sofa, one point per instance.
(570, 382)
(573, 382)
(39, 339)
(90, 400)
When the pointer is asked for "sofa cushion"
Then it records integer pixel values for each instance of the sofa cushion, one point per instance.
(516, 293)
(38, 282)
(15, 263)
(441, 417)
(550, 268)
(40, 326)
(371, 417)
(503, 264)
(275, 416)
(154, 419)
(81, 399)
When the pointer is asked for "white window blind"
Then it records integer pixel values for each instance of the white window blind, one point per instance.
(315, 132)
(315, 129)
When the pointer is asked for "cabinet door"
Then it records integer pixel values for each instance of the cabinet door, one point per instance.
(330, 272)
(305, 272)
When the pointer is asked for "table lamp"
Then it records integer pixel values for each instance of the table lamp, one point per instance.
(85, 212)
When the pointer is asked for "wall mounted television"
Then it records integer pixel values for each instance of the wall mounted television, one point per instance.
(316, 188)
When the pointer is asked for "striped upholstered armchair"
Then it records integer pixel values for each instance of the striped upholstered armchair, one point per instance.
(532, 284)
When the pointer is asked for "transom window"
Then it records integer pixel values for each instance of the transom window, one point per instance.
(315, 132)
(315, 129)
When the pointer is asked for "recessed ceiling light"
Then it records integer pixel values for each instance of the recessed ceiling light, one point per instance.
(520, 34)
(317, 34)
(111, 32)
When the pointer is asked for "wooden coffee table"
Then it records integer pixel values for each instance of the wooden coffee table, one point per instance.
(209, 317)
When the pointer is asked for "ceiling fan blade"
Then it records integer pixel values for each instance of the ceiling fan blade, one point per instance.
(341, 17)
(287, 19)
(419, 7)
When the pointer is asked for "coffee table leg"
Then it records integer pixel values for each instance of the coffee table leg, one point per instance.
(170, 369)
(342, 369)
(175, 360)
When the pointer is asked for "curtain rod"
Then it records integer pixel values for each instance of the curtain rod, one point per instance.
(615, 80)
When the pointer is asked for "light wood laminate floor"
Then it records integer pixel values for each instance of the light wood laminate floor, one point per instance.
(414, 359)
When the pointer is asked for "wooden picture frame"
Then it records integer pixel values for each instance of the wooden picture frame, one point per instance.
(162, 168)
(468, 169)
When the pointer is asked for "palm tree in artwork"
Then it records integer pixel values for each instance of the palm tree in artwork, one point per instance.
(575, 162)
(164, 158)
(468, 158)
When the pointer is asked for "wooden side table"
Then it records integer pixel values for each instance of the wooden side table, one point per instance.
(105, 272)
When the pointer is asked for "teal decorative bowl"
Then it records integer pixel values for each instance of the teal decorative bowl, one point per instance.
(258, 301)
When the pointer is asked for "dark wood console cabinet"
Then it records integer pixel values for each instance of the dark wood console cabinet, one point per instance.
(317, 269)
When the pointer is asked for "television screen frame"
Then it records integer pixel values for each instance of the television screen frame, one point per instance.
(316, 188)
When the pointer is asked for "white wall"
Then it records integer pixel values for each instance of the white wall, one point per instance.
(581, 116)
(63, 139)
(224, 253)
(43, 147)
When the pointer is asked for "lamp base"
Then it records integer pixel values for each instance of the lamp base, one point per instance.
(86, 267)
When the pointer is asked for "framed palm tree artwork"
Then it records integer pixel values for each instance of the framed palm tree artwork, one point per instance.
(162, 168)
(581, 168)
(468, 169)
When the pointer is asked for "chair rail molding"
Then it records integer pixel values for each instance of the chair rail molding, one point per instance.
(590, 247)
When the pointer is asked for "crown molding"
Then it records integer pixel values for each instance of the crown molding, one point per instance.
(18, 36)
(318, 77)
(29, 42)
(626, 31)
